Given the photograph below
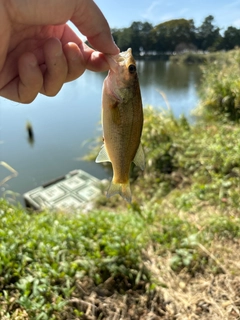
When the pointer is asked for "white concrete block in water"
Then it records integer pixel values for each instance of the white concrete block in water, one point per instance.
(72, 191)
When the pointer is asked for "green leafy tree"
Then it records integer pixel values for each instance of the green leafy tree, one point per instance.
(231, 38)
(146, 36)
(208, 35)
(138, 35)
(170, 34)
(176, 35)
(123, 38)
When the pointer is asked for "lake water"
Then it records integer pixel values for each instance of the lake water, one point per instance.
(65, 126)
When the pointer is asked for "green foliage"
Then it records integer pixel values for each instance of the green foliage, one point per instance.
(220, 88)
(170, 34)
(178, 35)
(202, 157)
(189, 58)
(231, 38)
(138, 35)
(224, 227)
(208, 35)
(43, 255)
(173, 231)
(193, 57)
(188, 255)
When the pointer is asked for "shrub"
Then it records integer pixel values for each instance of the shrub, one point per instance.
(220, 88)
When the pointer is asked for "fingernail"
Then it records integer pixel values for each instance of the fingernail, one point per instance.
(32, 61)
(59, 52)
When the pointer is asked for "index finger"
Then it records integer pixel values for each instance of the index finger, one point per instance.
(89, 19)
(85, 14)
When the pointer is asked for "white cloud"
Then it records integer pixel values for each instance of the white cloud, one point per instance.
(161, 10)
(150, 12)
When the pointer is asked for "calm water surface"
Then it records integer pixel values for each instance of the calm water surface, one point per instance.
(65, 126)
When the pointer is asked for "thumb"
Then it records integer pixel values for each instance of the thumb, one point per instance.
(4, 36)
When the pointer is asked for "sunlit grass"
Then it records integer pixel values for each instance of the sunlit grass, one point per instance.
(220, 89)
(202, 160)
(194, 57)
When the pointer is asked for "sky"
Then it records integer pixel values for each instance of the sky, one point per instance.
(122, 13)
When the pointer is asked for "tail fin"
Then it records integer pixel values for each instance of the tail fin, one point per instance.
(120, 188)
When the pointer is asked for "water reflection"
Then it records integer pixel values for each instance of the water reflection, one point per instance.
(168, 75)
(177, 81)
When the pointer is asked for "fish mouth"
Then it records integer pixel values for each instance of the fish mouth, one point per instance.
(111, 60)
(119, 59)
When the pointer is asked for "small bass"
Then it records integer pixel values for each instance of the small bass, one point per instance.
(122, 121)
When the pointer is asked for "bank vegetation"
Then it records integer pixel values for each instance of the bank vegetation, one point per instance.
(174, 253)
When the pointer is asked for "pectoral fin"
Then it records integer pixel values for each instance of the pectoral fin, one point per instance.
(103, 155)
(139, 158)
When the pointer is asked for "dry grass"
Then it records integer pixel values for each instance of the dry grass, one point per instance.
(176, 296)
(198, 291)
(204, 296)
(13, 174)
(211, 292)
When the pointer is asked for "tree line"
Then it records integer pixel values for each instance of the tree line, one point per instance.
(176, 36)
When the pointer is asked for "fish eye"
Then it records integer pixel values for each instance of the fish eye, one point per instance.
(132, 68)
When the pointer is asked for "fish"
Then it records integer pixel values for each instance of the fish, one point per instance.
(122, 122)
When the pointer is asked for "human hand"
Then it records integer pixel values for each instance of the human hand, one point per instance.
(39, 52)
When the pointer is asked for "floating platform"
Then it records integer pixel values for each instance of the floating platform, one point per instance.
(71, 191)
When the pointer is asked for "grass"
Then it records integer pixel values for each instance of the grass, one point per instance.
(51, 263)
(202, 159)
(43, 255)
(220, 89)
(54, 266)
(172, 254)
(194, 57)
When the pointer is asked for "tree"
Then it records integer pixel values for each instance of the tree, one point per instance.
(141, 36)
(138, 35)
(231, 38)
(176, 35)
(172, 33)
(123, 38)
(146, 36)
(208, 35)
